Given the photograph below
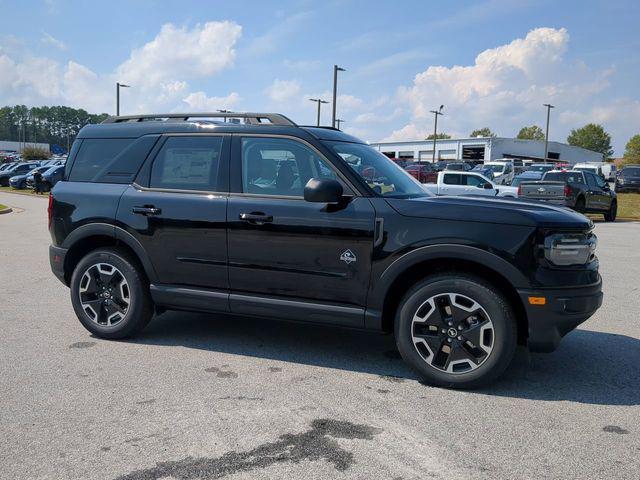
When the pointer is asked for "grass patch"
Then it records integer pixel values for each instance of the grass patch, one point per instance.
(2, 207)
(25, 191)
(629, 205)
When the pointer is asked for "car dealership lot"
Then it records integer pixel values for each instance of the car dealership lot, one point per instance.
(206, 396)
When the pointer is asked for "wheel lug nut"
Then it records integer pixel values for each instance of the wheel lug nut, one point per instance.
(450, 324)
(444, 330)
(449, 340)
(460, 337)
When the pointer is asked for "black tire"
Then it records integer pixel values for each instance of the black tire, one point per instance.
(137, 313)
(580, 205)
(496, 307)
(4, 182)
(611, 215)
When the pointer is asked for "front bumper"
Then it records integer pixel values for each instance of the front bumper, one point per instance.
(627, 187)
(563, 311)
(57, 257)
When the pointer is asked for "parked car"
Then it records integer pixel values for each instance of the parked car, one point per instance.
(528, 176)
(596, 168)
(484, 171)
(458, 166)
(173, 214)
(50, 177)
(20, 181)
(6, 166)
(502, 171)
(541, 167)
(583, 191)
(401, 162)
(423, 172)
(17, 169)
(441, 165)
(469, 183)
(628, 180)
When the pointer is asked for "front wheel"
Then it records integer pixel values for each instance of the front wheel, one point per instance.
(110, 294)
(456, 330)
(611, 215)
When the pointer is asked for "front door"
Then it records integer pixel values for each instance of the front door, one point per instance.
(178, 214)
(283, 247)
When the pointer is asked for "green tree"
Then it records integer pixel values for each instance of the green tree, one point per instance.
(534, 132)
(439, 136)
(592, 137)
(482, 132)
(632, 150)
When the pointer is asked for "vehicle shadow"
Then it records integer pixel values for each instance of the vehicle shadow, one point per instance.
(589, 367)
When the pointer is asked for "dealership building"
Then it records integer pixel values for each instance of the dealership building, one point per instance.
(485, 148)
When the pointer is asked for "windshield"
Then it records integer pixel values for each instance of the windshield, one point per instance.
(540, 168)
(495, 168)
(383, 176)
(631, 172)
(587, 169)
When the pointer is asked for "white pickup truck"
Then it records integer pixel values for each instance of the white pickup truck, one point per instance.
(468, 183)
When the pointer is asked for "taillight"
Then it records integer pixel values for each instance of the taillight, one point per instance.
(50, 210)
(519, 190)
(567, 190)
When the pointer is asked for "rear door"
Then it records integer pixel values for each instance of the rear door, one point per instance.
(177, 210)
(594, 193)
(452, 184)
(283, 248)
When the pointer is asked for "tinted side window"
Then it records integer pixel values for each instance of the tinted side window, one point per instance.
(94, 155)
(187, 163)
(474, 180)
(451, 179)
(591, 179)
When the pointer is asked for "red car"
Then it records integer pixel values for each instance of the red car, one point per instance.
(423, 172)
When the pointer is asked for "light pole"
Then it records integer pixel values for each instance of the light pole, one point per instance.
(336, 69)
(118, 86)
(319, 101)
(338, 121)
(435, 130)
(546, 135)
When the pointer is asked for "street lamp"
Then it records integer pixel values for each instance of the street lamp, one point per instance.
(336, 69)
(435, 130)
(118, 86)
(338, 121)
(546, 135)
(319, 101)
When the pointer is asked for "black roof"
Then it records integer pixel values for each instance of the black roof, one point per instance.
(137, 126)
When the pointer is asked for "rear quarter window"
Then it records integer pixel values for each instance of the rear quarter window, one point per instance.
(110, 160)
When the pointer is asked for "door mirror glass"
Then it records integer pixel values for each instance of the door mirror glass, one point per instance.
(323, 190)
(487, 186)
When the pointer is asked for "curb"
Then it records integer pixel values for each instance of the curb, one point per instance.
(6, 210)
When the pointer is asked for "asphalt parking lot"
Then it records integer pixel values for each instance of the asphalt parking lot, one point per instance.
(205, 396)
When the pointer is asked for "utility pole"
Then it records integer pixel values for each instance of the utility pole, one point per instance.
(338, 121)
(435, 130)
(118, 86)
(319, 101)
(546, 135)
(336, 69)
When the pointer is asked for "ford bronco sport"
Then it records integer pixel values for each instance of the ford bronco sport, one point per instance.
(252, 214)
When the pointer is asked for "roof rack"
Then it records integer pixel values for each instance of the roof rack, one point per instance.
(249, 118)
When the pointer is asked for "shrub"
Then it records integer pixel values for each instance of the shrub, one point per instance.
(35, 153)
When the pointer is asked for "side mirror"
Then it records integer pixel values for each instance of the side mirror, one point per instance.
(323, 190)
(487, 186)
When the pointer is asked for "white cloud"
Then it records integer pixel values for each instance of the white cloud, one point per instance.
(178, 52)
(200, 102)
(283, 90)
(48, 39)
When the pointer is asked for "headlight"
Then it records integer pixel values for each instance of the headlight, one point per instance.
(570, 248)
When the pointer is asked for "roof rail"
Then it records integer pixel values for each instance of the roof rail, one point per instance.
(249, 118)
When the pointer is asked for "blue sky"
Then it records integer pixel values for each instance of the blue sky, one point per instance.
(491, 63)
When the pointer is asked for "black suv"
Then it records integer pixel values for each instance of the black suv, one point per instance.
(251, 214)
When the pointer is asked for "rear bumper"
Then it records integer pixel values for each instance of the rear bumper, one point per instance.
(57, 257)
(564, 310)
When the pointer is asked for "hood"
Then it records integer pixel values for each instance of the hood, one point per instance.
(491, 210)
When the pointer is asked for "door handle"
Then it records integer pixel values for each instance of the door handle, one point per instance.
(256, 218)
(147, 210)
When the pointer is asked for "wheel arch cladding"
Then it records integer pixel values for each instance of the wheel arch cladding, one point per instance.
(104, 235)
(422, 269)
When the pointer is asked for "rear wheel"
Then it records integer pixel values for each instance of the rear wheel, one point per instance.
(611, 215)
(456, 330)
(580, 205)
(110, 295)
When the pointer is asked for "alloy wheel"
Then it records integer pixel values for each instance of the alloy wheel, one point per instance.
(452, 333)
(104, 293)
